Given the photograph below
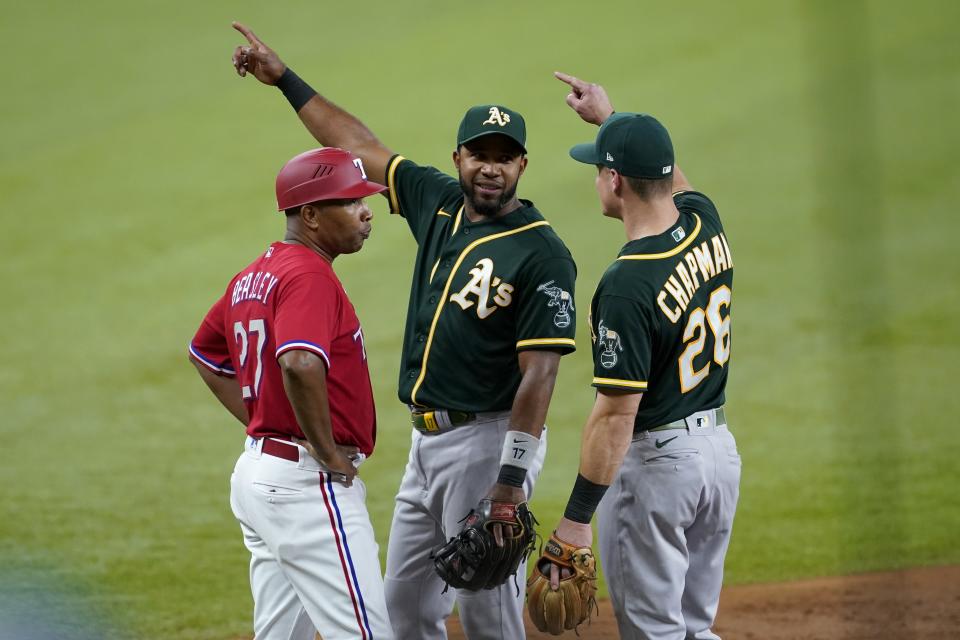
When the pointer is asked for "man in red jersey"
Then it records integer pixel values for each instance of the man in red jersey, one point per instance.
(283, 351)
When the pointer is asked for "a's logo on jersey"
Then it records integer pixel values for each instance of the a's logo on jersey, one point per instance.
(560, 299)
(481, 282)
(678, 234)
(497, 117)
(359, 164)
(611, 344)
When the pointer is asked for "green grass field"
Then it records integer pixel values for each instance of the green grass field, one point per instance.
(136, 177)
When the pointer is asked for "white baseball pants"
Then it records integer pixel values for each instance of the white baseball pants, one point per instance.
(314, 563)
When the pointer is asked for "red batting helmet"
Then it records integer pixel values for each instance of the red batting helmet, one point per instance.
(323, 174)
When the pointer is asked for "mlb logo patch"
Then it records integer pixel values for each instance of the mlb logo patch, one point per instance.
(678, 234)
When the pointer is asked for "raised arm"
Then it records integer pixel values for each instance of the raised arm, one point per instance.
(592, 104)
(330, 125)
(589, 100)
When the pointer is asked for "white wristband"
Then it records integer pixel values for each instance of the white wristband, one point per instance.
(519, 449)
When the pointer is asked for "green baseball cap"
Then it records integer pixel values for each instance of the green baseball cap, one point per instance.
(635, 144)
(485, 119)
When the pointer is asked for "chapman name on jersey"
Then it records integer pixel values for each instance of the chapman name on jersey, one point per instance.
(707, 259)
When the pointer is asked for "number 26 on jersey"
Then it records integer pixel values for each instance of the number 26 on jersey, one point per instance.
(695, 337)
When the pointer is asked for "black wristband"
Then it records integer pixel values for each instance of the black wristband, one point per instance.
(296, 91)
(584, 499)
(511, 475)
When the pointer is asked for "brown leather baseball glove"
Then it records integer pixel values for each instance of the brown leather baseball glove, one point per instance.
(572, 603)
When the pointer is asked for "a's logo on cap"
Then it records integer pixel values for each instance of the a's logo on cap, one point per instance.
(609, 157)
(359, 164)
(496, 117)
(667, 169)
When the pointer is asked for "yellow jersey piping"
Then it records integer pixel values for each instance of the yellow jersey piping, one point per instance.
(566, 342)
(666, 254)
(456, 222)
(633, 384)
(391, 170)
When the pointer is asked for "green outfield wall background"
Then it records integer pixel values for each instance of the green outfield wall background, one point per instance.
(136, 177)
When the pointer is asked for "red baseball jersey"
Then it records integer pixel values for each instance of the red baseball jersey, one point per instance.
(290, 298)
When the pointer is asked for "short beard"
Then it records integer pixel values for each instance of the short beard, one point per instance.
(486, 209)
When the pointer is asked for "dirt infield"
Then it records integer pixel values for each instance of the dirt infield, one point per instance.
(916, 603)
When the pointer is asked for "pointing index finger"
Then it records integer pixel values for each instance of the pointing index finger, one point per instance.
(248, 34)
(573, 81)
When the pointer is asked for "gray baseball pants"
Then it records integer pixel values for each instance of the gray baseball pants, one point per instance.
(446, 476)
(664, 527)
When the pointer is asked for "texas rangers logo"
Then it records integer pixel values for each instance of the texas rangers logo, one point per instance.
(561, 299)
(481, 282)
(358, 337)
(358, 163)
(497, 117)
(610, 343)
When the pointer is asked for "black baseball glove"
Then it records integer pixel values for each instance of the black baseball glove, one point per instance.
(473, 560)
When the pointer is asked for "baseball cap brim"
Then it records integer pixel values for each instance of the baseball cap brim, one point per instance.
(586, 153)
(495, 133)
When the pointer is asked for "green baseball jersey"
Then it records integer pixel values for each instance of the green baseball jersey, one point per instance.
(660, 318)
(481, 292)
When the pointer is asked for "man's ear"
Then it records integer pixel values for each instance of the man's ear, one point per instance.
(456, 158)
(616, 181)
(308, 215)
